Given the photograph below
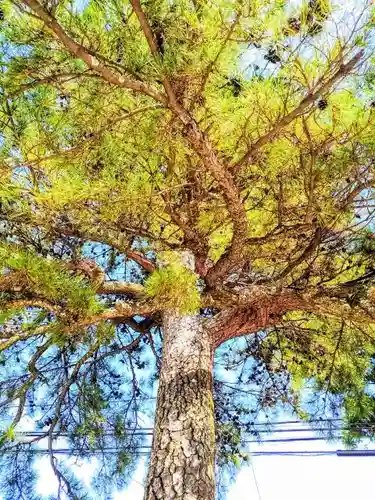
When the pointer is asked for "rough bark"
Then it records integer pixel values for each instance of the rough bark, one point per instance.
(183, 449)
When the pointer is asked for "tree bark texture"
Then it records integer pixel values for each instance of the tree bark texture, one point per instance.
(183, 448)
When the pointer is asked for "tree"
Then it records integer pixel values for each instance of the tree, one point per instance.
(161, 195)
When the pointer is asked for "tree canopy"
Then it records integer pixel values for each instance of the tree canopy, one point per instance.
(137, 136)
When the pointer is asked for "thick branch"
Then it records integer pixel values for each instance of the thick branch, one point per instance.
(259, 307)
(14, 282)
(236, 253)
(82, 53)
(37, 303)
(97, 276)
(361, 186)
(121, 287)
(141, 260)
(136, 4)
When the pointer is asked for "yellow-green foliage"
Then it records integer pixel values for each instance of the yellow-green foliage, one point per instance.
(175, 286)
(50, 280)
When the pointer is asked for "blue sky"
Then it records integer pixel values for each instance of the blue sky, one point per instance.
(292, 478)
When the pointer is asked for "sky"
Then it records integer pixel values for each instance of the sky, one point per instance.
(297, 478)
(278, 477)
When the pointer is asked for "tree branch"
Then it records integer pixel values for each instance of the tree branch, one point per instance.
(258, 307)
(121, 287)
(136, 4)
(82, 53)
(37, 303)
(203, 148)
(300, 110)
(122, 310)
(97, 276)
(141, 260)
(304, 255)
(58, 78)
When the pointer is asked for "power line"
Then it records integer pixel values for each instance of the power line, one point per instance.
(292, 440)
(339, 453)
(255, 480)
(307, 422)
(149, 430)
(303, 453)
(312, 429)
(142, 430)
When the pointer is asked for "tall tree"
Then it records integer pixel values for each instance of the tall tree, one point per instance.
(162, 193)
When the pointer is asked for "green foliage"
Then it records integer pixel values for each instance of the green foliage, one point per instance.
(49, 279)
(175, 285)
(8, 435)
(8, 313)
(123, 461)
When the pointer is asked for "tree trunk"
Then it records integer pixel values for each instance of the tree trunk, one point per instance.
(183, 448)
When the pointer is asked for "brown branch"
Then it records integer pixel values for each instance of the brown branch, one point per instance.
(259, 307)
(13, 282)
(193, 240)
(303, 107)
(140, 259)
(97, 276)
(122, 310)
(84, 54)
(114, 240)
(203, 148)
(136, 4)
(121, 287)
(309, 250)
(89, 268)
(256, 310)
(355, 192)
(37, 303)
(58, 78)
(237, 250)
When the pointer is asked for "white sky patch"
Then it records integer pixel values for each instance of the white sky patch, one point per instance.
(47, 483)
(84, 470)
(135, 489)
(312, 478)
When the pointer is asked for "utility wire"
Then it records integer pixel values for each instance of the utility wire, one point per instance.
(282, 422)
(303, 453)
(292, 440)
(255, 480)
(312, 429)
(274, 441)
(149, 431)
